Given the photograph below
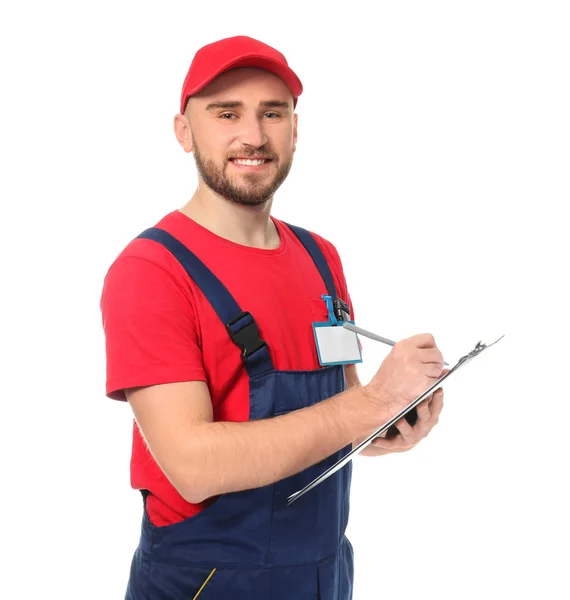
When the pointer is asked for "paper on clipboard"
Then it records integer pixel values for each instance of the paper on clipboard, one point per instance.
(479, 347)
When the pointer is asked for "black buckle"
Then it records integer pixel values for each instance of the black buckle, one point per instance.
(341, 310)
(246, 338)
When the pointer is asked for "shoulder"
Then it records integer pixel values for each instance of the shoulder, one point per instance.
(144, 266)
(140, 256)
(327, 247)
(334, 262)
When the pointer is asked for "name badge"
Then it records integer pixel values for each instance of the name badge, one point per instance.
(335, 344)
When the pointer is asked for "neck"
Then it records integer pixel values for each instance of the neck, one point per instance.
(245, 225)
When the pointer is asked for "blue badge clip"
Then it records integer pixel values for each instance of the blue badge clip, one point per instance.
(329, 302)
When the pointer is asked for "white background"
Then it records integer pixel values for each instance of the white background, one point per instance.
(433, 152)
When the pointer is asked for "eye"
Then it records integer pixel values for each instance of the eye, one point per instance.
(272, 115)
(227, 116)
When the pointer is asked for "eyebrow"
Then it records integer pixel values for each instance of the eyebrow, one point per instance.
(237, 104)
(274, 104)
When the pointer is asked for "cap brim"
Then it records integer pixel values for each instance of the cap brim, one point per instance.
(282, 71)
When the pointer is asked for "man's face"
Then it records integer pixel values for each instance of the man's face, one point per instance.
(243, 132)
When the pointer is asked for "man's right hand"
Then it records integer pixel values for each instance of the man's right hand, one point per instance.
(412, 366)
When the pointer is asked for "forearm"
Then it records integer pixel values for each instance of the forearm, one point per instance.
(225, 457)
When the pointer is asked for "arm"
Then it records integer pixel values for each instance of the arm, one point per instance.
(202, 458)
(153, 343)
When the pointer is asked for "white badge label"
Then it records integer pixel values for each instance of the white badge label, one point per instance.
(336, 345)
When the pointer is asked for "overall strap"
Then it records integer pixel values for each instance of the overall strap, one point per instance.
(317, 255)
(240, 325)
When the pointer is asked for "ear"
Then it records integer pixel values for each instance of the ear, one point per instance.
(183, 132)
(295, 120)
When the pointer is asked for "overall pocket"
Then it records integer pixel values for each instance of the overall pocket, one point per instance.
(173, 582)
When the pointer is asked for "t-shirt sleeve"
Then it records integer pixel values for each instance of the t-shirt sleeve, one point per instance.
(150, 325)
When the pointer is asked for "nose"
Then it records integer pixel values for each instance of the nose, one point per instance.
(252, 132)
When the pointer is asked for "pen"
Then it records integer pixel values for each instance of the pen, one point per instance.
(371, 335)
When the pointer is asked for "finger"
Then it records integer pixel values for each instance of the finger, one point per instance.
(424, 340)
(431, 355)
(405, 429)
(432, 370)
(435, 371)
(395, 444)
(437, 394)
(436, 404)
(424, 410)
(444, 372)
(383, 443)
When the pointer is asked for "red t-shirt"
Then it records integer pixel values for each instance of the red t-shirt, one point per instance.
(160, 328)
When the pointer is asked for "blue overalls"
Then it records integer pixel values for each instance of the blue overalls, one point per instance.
(250, 544)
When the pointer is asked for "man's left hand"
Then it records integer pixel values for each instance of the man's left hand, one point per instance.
(408, 436)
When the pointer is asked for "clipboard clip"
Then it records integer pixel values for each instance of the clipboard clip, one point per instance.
(479, 347)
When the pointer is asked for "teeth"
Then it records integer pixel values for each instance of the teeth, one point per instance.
(249, 162)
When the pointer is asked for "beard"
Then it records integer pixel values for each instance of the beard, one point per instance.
(254, 190)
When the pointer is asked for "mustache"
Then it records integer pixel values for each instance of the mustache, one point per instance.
(253, 153)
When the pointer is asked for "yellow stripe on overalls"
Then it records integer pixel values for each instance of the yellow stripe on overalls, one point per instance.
(204, 584)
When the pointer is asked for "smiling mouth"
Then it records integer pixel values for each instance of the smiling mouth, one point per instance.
(250, 162)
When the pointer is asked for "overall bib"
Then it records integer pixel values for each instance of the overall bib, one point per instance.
(250, 544)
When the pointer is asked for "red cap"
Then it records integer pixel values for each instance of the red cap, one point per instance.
(230, 53)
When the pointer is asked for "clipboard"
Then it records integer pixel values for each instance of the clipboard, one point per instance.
(479, 347)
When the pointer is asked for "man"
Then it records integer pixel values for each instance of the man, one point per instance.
(208, 320)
